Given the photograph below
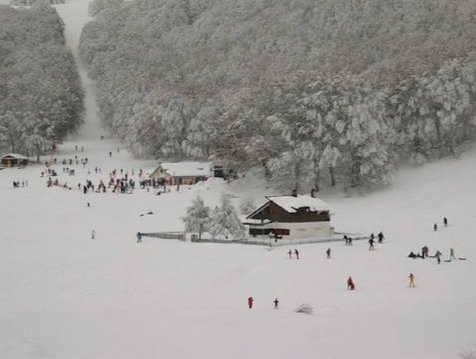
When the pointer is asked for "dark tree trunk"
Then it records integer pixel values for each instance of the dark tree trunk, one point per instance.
(332, 175)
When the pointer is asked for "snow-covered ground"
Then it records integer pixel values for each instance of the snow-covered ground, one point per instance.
(65, 295)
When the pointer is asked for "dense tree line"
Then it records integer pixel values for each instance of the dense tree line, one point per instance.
(31, 2)
(41, 99)
(318, 93)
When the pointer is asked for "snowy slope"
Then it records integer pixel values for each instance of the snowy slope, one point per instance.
(64, 295)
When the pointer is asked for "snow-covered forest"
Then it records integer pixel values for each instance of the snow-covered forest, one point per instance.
(84, 274)
(31, 2)
(317, 92)
(41, 99)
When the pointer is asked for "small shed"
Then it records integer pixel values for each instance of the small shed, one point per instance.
(13, 159)
(291, 217)
(186, 173)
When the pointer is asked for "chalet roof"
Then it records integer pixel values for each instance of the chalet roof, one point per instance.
(14, 155)
(256, 221)
(290, 203)
(186, 168)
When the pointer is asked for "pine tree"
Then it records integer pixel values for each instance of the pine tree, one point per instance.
(224, 221)
(247, 205)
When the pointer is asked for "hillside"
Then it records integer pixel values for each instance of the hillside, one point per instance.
(299, 87)
(65, 295)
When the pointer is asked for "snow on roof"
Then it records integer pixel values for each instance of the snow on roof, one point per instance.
(291, 203)
(15, 155)
(247, 220)
(187, 168)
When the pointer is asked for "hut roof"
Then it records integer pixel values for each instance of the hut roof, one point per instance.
(181, 169)
(14, 155)
(291, 204)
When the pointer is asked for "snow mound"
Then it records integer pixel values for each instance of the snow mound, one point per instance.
(305, 308)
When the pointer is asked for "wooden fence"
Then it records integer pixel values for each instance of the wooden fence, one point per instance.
(265, 241)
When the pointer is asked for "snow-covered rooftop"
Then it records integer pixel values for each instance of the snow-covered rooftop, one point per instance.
(187, 168)
(14, 155)
(291, 203)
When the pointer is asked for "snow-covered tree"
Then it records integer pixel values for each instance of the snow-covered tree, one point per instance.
(201, 133)
(247, 205)
(347, 93)
(224, 221)
(96, 6)
(197, 217)
(43, 99)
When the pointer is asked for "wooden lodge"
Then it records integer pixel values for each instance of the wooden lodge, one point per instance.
(13, 160)
(186, 173)
(290, 217)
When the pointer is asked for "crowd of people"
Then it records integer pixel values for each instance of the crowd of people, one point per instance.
(121, 181)
(22, 183)
(425, 250)
(371, 241)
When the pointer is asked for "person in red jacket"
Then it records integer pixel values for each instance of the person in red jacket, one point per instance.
(350, 284)
(250, 302)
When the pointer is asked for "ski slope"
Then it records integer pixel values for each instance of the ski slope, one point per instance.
(64, 295)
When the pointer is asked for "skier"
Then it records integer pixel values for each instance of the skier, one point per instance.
(452, 254)
(371, 244)
(438, 256)
(424, 252)
(328, 252)
(296, 253)
(250, 302)
(380, 237)
(139, 237)
(93, 234)
(350, 284)
(445, 221)
(435, 227)
(411, 276)
(290, 254)
(276, 302)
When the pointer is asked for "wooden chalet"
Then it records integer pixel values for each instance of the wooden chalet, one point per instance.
(186, 173)
(291, 217)
(13, 159)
